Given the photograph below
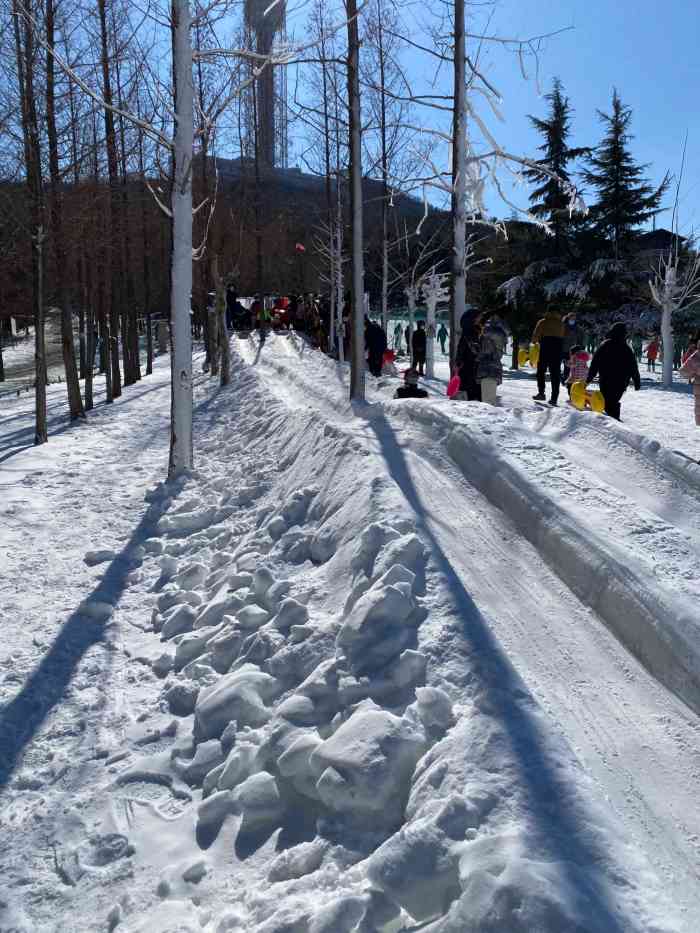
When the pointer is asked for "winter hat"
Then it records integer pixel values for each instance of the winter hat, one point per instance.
(618, 331)
(468, 319)
(410, 377)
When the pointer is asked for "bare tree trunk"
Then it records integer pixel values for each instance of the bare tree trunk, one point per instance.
(2, 364)
(32, 156)
(385, 173)
(130, 336)
(113, 252)
(459, 181)
(75, 402)
(104, 274)
(220, 325)
(149, 344)
(181, 457)
(41, 432)
(89, 302)
(357, 362)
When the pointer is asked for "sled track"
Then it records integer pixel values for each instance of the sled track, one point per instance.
(529, 478)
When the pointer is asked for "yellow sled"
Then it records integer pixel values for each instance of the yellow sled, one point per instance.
(534, 354)
(523, 357)
(582, 398)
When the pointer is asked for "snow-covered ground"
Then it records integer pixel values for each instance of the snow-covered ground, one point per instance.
(404, 665)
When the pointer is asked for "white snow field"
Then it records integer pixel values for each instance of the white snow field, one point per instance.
(417, 665)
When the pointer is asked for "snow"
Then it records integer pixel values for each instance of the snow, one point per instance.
(369, 666)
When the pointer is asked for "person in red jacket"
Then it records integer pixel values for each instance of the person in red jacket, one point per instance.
(652, 355)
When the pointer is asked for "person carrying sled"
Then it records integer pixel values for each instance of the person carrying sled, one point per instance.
(442, 336)
(614, 364)
(410, 389)
(419, 348)
(690, 369)
(549, 333)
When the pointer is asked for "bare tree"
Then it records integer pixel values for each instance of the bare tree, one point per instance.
(56, 231)
(357, 370)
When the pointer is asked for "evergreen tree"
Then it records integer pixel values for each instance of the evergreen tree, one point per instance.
(626, 199)
(549, 201)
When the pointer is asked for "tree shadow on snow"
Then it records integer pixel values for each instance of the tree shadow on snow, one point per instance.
(46, 686)
(560, 826)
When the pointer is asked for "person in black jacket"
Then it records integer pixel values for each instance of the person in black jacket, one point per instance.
(615, 364)
(376, 345)
(466, 357)
(419, 348)
(410, 387)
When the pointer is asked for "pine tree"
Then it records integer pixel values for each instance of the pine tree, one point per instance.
(626, 199)
(549, 200)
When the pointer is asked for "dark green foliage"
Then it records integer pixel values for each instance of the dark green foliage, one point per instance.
(626, 199)
(550, 200)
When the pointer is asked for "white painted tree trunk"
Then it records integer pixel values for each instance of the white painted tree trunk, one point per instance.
(181, 458)
(431, 304)
(357, 360)
(339, 298)
(459, 181)
(411, 295)
(667, 341)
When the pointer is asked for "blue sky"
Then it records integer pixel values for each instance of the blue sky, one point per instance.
(649, 51)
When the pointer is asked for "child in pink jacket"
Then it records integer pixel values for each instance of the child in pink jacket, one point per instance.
(691, 370)
(578, 366)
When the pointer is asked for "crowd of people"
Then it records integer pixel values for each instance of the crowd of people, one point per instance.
(614, 364)
(567, 353)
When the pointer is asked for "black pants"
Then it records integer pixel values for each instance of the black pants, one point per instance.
(419, 360)
(613, 396)
(375, 362)
(553, 364)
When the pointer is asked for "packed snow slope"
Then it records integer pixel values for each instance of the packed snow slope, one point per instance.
(367, 669)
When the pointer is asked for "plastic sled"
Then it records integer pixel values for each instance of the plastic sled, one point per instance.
(389, 356)
(453, 387)
(523, 357)
(583, 398)
(534, 354)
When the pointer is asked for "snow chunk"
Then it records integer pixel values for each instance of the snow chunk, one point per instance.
(407, 551)
(178, 621)
(377, 629)
(258, 798)
(290, 613)
(207, 756)
(434, 709)
(252, 617)
(240, 695)
(92, 558)
(299, 861)
(192, 645)
(213, 612)
(239, 765)
(181, 697)
(367, 765)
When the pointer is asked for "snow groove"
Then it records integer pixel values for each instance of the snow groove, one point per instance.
(656, 627)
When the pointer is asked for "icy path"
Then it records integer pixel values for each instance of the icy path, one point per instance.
(639, 742)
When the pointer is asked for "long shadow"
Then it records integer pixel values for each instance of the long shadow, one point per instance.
(552, 802)
(21, 718)
(60, 423)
